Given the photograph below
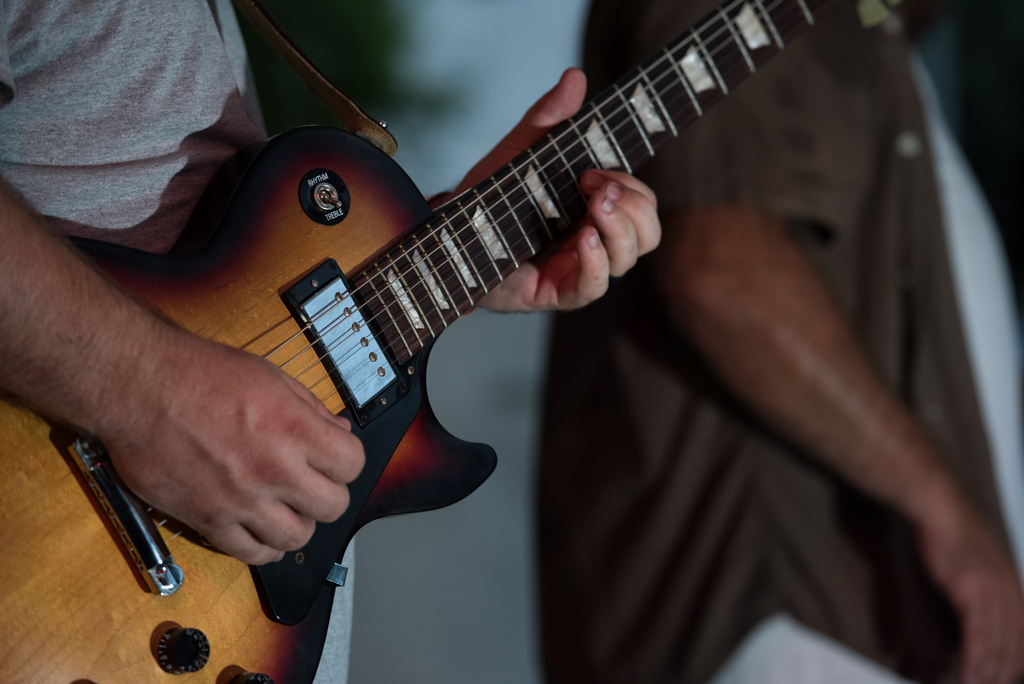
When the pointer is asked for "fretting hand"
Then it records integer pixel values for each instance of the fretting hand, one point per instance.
(621, 224)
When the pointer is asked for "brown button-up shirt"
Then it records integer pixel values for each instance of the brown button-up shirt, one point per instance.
(671, 520)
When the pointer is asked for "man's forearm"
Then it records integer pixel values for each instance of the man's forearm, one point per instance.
(761, 312)
(68, 334)
(763, 315)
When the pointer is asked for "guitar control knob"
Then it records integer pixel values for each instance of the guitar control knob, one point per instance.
(251, 678)
(182, 650)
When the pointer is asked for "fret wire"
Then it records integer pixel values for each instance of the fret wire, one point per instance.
(549, 187)
(515, 217)
(731, 65)
(807, 13)
(400, 278)
(429, 293)
(686, 83)
(568, 166)
(533, 200)
(714, 67)
(497, 228)
(661, 105)
(603, 123)
(445, 260)
(636, 122)
(736, 37)
(425, 254)
(483, 246)
(398, 328)
(579, 194)
(453, 262)
(411, 290)
(797, 18)
(771, 24)
(464, 246)
(583, 140)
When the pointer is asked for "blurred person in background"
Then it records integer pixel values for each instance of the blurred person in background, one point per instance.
(795, 405)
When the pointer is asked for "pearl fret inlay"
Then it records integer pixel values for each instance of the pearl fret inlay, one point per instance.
(404, 300)
(540, 194)
(696, 73)
(599, 145)
(456, 258)
(751, 28)
(430, 280)
(646, 111)
(485, 230)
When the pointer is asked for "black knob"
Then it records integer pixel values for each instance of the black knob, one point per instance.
(251, 678)
(182, 650)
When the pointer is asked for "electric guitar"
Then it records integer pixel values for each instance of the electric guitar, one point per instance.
(327, 261)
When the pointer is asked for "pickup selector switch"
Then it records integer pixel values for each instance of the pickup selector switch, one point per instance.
(182, 650)
(324, 196)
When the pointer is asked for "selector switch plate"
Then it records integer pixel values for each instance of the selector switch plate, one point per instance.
(324, 197)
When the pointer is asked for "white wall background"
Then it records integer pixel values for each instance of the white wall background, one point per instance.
(448, 596)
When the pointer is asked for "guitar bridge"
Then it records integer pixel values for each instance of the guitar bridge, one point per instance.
(345, 342)
(128, 515)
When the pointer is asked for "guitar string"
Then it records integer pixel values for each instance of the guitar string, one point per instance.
(629, 123)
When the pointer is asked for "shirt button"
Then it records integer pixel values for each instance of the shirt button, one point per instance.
(908, 145)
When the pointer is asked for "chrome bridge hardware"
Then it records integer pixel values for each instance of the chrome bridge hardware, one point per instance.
(345, 342)
(128, 516)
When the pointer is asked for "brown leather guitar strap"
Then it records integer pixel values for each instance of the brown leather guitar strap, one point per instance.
(348, 111)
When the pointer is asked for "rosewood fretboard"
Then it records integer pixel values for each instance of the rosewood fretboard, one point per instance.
(441, 269)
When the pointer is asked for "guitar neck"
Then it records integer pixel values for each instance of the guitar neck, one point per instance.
(443, 268)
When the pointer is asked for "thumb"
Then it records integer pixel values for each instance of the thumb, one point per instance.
(555, 106)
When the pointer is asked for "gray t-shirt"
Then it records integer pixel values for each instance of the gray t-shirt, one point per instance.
(115, 115)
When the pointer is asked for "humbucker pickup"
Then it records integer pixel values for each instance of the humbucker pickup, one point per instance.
(345, 342)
